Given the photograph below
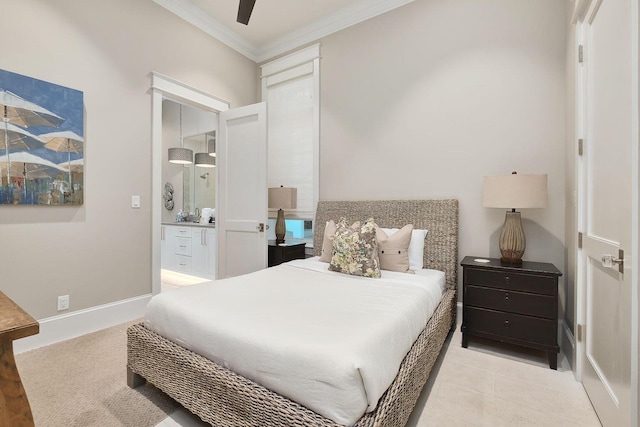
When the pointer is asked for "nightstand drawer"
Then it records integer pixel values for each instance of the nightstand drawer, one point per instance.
(510, 301)
(279, 254)
(512, 281)
(509, 325)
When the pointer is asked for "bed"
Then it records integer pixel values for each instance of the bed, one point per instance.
(223, 398)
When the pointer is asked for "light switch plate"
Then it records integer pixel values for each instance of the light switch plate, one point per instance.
(135, 202)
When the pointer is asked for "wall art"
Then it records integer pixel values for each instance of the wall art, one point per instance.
(41, 142)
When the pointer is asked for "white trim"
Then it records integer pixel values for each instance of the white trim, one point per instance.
(210, 25)
(70, 325)
(580, 131)
(579, 10)
(184, 94)
(300, 57)
(567, 342)
(347, 17)
(163, 87)
(635, 212)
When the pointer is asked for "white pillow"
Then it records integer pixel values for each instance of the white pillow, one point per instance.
(416, 247)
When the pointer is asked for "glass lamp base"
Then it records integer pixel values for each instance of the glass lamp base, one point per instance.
(512, 240)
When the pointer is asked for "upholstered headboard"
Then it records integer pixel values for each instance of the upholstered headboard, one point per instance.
(440, 217)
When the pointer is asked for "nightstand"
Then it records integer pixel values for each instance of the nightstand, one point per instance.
(279, 254)
(516, 304)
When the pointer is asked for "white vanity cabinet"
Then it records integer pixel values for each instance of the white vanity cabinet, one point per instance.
(203, 252)
(189, 249)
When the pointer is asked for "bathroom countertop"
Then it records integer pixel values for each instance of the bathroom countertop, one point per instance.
(190, 224)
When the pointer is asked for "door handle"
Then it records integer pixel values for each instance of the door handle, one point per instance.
(610, 261)
(260, 227)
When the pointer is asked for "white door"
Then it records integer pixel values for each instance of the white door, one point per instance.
(242, 191)
(606, 182)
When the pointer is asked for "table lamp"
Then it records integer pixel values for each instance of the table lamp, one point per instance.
(282, 198)
(514, 192)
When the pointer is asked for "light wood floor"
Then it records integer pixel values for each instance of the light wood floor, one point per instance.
(488, 384)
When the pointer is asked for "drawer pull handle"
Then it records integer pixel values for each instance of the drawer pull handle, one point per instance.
(506, 279)
(506, 323)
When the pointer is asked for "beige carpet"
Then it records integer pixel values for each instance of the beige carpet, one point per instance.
(83, 382)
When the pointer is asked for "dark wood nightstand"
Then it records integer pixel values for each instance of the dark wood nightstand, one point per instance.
(279, 254)
(516, 304)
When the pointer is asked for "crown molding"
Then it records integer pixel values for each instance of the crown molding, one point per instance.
(345, 18)
(351, 15)
(207, 23)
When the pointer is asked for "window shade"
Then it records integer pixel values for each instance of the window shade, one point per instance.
(290, 110)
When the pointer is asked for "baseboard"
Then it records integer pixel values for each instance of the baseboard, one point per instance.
(567, 343)
(70, 325)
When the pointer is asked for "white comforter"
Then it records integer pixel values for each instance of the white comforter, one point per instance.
(331, 342)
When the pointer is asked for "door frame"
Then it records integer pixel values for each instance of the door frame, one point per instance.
(163, 87)
(581, 8)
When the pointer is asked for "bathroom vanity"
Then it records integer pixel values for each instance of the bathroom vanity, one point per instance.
(189, 248)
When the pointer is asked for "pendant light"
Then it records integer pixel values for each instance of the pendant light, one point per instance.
(204, 160)
(180, 155)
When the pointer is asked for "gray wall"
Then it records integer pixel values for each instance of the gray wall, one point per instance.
(426, 100)
(100, 252)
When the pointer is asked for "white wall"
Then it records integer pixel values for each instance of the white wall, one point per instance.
(100, 252)
(426, 100)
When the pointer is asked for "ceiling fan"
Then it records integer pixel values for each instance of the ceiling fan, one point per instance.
(244, 11)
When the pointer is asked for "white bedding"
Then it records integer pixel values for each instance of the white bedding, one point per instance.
(331, 342)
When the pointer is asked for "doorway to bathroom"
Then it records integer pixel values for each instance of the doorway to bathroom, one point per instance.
(188, 235)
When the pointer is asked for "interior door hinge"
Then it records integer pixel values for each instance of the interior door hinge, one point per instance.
(579, 333)
(580, 54)
(579, 239)
(580, 147)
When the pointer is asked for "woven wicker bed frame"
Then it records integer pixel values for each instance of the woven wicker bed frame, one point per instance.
(225, 399)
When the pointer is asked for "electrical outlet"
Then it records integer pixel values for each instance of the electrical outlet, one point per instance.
(63, 302)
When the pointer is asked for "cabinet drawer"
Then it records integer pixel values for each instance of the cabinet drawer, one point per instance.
(183, 246)
(510, 301)
(512, 281)
(183, 264)
(182, 231)
(509, 325)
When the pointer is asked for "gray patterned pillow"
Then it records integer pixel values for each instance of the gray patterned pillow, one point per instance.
(355, 251)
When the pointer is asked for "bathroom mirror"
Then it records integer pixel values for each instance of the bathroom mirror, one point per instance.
(199, 183)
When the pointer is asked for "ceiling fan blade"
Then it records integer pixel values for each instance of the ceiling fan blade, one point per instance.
(244, 11)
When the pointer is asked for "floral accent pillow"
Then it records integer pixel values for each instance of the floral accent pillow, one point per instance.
(355, 251)
(327, 241)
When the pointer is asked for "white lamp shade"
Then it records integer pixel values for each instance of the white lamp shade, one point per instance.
(515, 191)
(204, 160)
(283, 198)
(181, 156)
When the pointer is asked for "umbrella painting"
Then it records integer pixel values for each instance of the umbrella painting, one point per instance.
(41, 142)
